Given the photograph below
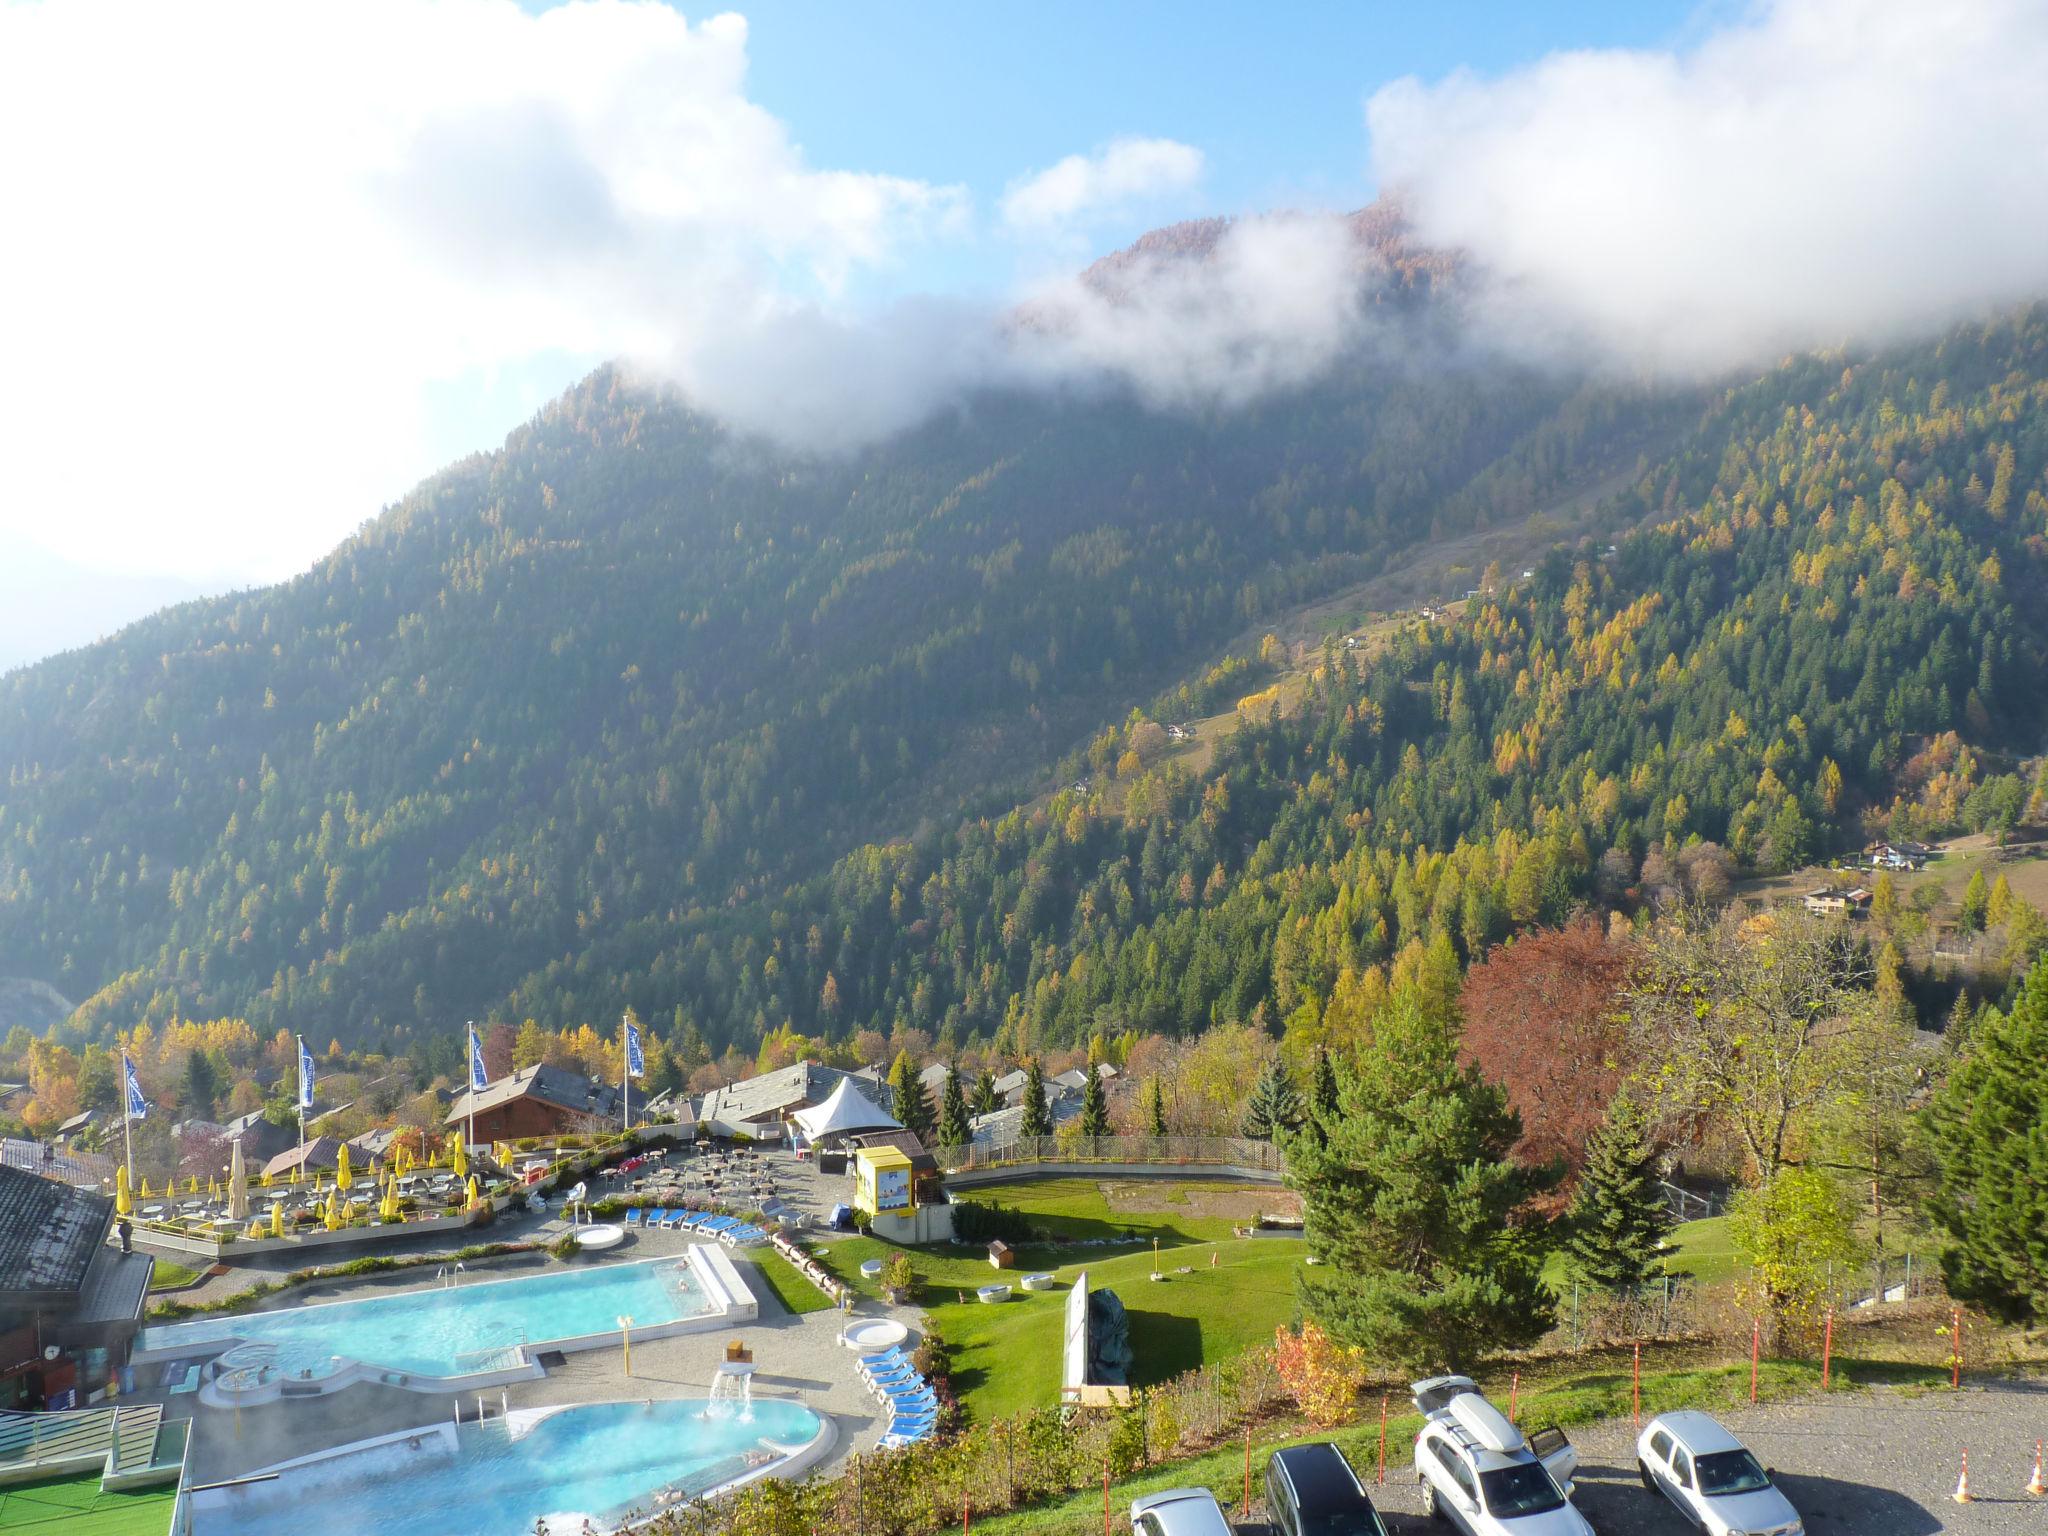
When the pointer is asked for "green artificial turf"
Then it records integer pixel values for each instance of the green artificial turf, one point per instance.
(791, 1289)
(75, 1506)
(166, 1273)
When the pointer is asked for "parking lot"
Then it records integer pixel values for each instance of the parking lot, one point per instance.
(1865, 1464)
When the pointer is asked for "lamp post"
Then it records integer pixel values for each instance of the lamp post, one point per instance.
(626, 1339)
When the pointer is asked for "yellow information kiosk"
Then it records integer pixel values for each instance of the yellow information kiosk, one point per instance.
(882, 1182)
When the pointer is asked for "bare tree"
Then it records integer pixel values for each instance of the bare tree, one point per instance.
(1746, 1022)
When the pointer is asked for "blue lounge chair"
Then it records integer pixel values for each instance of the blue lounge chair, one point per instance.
(897, 1381)
(902, 1392)
(892, 1355)
(716, 1223)
(895, 1441)
(634, 1216)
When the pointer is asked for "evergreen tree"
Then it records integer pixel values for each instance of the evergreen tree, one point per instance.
(1037, 1114)
(953, 1130)
(202, 1082)
(1094, 1106)
(910, 1104)
(1322, 1093)
(1976, 902)
(984, 1100)
(1155, 1109)
(1618, 1216)
(1988, 1129)
(1274, 1107)
(1416, 1209)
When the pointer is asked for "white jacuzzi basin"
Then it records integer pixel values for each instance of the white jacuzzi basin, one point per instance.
(599, 1236)
(872, 1268)
(1038, 1282)
(994, 1293)
(873, 1334)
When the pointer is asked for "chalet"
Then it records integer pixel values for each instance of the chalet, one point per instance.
(320, 1155)
(1010, 1087)
(70, 1301)
(539, 1100)
(260, 1140)
(78, 1125)
(933, 1080)
(922, 1164)
(372, 1144)
(1827, 902)
(1898, 855)
(760, 1107)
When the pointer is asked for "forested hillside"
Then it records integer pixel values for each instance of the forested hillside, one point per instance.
(1831, 623)
(589, 719)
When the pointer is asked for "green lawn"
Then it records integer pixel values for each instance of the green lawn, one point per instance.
(1007, 1357)
(167, 1274)
(75, 1506)
(790, 1288)
(1701, 1249)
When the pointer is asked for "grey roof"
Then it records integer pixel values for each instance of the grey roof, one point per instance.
(772, 1093)
(377, 1142)
(261, 1141)
(1012, 1082)
(115, 1287)
(1073, 1078)
(78, 1122)
(49, 1233)
(321, 1152)
(933, 1077)
(548, 1085)
(1007, 1125)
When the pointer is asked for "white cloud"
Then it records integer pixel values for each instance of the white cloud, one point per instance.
(1116, 177)
(1276, 303)
(254, 247)
(1822, 171)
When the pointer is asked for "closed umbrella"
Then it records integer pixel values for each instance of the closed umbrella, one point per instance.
(277, 1218)
(341, 1168)
(124, 1202)
(238, 1186)
(459, 1160)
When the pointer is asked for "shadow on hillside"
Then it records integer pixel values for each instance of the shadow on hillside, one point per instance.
(1614, 1500)
(1162, 1345)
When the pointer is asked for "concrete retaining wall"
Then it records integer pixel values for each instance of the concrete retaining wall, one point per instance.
(1012, 1173)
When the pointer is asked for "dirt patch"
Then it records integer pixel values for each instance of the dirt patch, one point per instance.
(1242, 1203)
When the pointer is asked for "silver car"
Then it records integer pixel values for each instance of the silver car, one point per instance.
(1178, 1512)
(1712, 1478)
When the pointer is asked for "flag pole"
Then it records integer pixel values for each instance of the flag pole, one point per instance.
(625, 1079)
(301, 1097)
(128, 1116)
(473, 1048)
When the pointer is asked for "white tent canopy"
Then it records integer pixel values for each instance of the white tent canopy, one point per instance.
(846, 1112)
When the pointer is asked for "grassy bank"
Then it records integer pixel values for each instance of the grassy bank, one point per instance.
(795, 1293)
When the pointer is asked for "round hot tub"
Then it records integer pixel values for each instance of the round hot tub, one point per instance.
(872, 1335)
(599, 1236)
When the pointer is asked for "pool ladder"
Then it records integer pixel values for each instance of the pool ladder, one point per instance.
(450, 1274)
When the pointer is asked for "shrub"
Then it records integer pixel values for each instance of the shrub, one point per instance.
(974, 1222)
(563, 1247)
(1323, 1376)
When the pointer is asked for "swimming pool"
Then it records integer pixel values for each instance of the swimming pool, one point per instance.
(602, 1461)
(481, 1329)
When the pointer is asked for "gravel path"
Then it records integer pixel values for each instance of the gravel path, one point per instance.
(1877, 1463)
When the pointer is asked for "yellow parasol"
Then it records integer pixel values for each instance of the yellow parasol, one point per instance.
(145, 1187)
(342, 1171)
(124, 1203)
(277, 1218)
(212, 1187)
(334, 1214)
(299, 1172)
(475, 1194)
(459, 1160)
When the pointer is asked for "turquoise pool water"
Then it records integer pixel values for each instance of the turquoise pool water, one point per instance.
(599, 1461)
(468, 1327)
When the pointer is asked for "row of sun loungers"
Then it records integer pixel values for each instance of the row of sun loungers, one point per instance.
(729, 1230)
(913, 1406)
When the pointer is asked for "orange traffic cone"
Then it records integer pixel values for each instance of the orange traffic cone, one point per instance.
(2037, 1487)
(1962, 1493)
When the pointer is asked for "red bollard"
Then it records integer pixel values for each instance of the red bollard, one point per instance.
(1514, 1393)
(1636, 1387)
(966, 1516)
(1756, 1344)
(1827, 1351)
(1383, 1440)
(1105, 1499)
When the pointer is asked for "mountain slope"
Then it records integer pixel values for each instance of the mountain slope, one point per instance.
(581, 696)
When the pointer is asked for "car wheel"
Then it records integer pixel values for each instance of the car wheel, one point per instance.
(1643, 1471)
(1430, 1505)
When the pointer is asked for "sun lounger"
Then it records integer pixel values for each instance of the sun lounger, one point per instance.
(895, 1442)
(633, 1216)
(890, 1356)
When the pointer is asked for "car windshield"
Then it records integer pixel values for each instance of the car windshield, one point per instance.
(1527, 1489)
(1730, 1472)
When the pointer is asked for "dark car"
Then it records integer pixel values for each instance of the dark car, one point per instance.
(1312, 1491)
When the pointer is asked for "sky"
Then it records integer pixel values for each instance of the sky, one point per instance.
(271, 264)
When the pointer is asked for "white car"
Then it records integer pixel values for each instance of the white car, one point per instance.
(1178, 1512)
(1712, 1478)
(1483, 1475)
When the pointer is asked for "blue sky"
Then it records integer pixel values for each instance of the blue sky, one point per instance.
(1274, 96)
(297, 257)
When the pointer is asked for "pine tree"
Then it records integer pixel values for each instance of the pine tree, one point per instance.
(1155, 1109)
(1094, 1106)
(1618, 1217)
(1988, 1130)
(1976, 901)
(1322, 1093)
(1274, 1108)
(910, 1106)
(984, 1100)
(1037, 1114)
(1430, 1254)
(953, 1129)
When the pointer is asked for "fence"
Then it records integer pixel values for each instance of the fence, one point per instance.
(1259, 1159)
